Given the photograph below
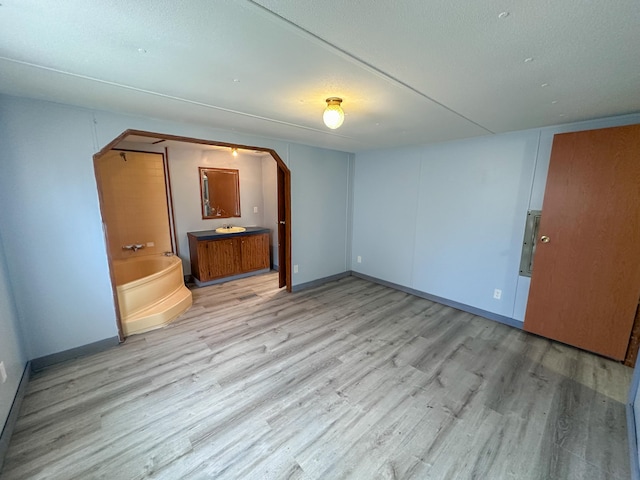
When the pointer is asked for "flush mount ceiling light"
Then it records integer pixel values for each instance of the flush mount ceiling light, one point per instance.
(333, 115)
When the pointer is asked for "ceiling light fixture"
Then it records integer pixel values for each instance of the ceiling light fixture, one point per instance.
(234, 152)
(333, 115)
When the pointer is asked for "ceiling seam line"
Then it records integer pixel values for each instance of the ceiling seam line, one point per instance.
(171, 97)
(375, 69)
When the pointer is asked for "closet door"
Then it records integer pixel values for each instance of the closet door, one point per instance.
(586, 275)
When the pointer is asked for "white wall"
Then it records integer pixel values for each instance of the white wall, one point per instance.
(56, 255)
(11, 349)
(448, 219)
(185, 187)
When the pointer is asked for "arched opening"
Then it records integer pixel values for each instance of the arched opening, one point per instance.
(283, 181)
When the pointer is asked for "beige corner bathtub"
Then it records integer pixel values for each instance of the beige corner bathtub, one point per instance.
(151, 292)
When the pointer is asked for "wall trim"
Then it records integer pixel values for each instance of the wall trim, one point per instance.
(631, 422)
(10, 424)
(449, 303)
(320, 281)
(40, 363)
(230, 278)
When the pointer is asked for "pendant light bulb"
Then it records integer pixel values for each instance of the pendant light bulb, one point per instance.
(333, 115)
(234, 152)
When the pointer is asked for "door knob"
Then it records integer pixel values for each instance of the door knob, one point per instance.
(545, 239)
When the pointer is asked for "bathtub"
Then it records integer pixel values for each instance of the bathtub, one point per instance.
(151, 292)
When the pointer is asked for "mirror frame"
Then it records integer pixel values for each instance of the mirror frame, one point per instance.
(236, 202)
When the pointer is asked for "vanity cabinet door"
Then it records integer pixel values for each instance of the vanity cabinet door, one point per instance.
(254, 252)
(222, 258)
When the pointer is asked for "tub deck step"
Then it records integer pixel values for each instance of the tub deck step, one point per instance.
(159, 314)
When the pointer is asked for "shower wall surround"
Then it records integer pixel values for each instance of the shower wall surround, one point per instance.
(134, 203)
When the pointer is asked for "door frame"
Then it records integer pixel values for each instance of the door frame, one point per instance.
(284, 203)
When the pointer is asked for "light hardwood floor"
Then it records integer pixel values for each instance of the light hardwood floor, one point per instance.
(347, 380)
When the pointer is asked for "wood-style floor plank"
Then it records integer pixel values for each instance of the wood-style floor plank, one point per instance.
(346, 380)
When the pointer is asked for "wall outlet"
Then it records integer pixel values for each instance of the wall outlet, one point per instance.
(359, 259)
(255, 209)
(151, 244)
(497, 294)
(3, 373)
(295, 269)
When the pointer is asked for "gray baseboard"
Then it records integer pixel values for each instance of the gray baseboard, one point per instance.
(320, 281)
(10, 424)
(450, 303)
(229, 279)
(89, 349)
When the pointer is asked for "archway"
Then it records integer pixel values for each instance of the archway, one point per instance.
(283, 200)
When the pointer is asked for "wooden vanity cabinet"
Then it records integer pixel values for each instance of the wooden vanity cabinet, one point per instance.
(220, 258)
(212, 259)
(254, 252)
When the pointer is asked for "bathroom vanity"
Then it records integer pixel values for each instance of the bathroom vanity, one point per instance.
(216, 256)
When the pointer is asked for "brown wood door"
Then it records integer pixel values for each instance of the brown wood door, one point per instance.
(586, 280)
(255, 252)
(282, 234)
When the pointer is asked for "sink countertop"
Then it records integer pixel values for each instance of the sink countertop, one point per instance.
(213, 235)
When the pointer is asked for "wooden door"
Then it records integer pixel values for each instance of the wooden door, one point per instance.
(586, 280)
(223, 257)
(282, 233)
(254, 252)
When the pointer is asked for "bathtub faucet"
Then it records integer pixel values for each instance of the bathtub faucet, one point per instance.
(134, 247)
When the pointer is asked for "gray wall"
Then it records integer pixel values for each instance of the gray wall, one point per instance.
(319, 212)
(448, 219)
(51, 226)
(56, 255)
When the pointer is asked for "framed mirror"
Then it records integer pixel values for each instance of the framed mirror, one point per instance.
(219, 192)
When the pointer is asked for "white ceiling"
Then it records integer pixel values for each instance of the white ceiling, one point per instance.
(410, 71)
